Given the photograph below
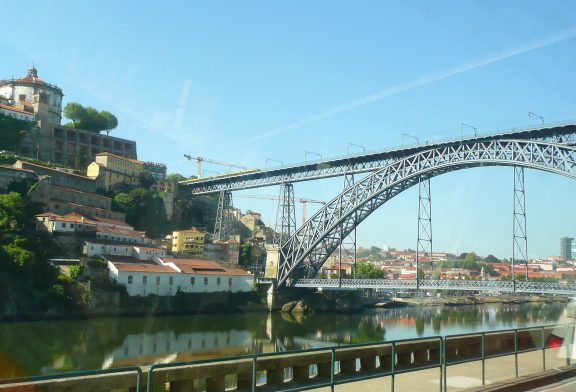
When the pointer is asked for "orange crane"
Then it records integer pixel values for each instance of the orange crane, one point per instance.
(300, 200)
(201, 159)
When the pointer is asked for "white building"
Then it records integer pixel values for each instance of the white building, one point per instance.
(114, 248)
(168, 276)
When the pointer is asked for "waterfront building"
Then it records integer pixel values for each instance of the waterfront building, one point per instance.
(166, 277)
(96, 247)
(189, 242)
(566, 248)
(158, 170)
(32, 99)
(228, 251)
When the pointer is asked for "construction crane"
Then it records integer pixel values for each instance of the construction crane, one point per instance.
(201, 159)
(300, 200)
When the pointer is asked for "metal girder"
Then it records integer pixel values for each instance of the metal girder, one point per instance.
(285, 215)
(224, 227)
(464, 285)
(306, 251)
(519, 233)
(364, 162)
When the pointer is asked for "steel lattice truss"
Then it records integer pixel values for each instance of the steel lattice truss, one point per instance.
(307, 250)
(426, 284)
(363, 163)
(224, 227)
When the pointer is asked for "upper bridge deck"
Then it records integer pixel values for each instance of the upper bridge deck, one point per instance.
(362, 163)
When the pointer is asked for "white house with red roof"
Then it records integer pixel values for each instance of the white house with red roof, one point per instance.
(166, 276)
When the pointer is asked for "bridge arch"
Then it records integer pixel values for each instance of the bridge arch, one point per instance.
(308, 249)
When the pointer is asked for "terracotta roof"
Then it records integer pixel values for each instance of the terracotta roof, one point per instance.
(120, 157)
(110, 221)
(192, 230)
(127, 260)
(204, 267)
(75, 217)
(107, 242)
(15, 109)
(142, 267)
(120, 231)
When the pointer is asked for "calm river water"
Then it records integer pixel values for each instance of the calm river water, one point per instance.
(31, 348)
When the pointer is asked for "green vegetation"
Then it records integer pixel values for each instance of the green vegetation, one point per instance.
(175, 177)
(245, 254)
(89, 118)
(12, 131)
(144, 210)
(29, 285)
(368, 271)
(371, 254)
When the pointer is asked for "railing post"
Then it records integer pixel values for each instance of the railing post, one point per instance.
(393, 366)
(441, 362)
(332, 368)
(567, 340)
(149, 387)
(543, 350)
(254, 363)
(444, 367)
(516, 352)
(483, 358)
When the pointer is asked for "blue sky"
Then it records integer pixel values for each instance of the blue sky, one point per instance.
(245, 81)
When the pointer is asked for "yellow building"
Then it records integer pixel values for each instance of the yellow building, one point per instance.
(113, 170)
(188, 242)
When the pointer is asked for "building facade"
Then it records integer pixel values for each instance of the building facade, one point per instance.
(189, 242)
(566, 248)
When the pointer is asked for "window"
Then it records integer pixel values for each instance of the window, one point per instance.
(71, 225)
(192, 280)
(171, 280)
(144, 279)
(229, 281)
(218, 281)
(129, 279)
(63, 225)
(205, 281)
(157, 280)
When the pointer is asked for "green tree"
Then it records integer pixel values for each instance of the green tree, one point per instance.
(111, 121)
(175, 177)
(12, 131)
(146, 179)
(245, 254)
(368, 271)
(74, 112)
(491, 259)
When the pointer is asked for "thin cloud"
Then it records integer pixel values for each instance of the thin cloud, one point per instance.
(477, 63)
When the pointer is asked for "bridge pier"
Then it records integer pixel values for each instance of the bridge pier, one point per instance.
(424, 236)
(224, 227)
(519, 233)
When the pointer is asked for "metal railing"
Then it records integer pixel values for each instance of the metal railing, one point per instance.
(389, 359)
(442, 284)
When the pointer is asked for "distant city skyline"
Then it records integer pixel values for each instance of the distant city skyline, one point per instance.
(244, 82)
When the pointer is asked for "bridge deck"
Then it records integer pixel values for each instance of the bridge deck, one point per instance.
(358, 163)
(428, 284)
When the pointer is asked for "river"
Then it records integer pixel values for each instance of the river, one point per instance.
(44, 347)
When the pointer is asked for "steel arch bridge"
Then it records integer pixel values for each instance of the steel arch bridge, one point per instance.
(303, 254)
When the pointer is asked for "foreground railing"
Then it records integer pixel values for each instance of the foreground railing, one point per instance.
(325, 367)
(441, 284)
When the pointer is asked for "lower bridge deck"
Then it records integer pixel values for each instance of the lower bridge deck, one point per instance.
(431, 284)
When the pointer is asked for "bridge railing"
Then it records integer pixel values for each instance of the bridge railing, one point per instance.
(442, 284)
(323, 367)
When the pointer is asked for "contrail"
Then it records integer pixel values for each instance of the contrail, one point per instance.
(480, 62)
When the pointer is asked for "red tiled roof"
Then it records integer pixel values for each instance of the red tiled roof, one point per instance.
(142, 267)
(204, 267)
(120, 231)
(15, 109)
(110, 221)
